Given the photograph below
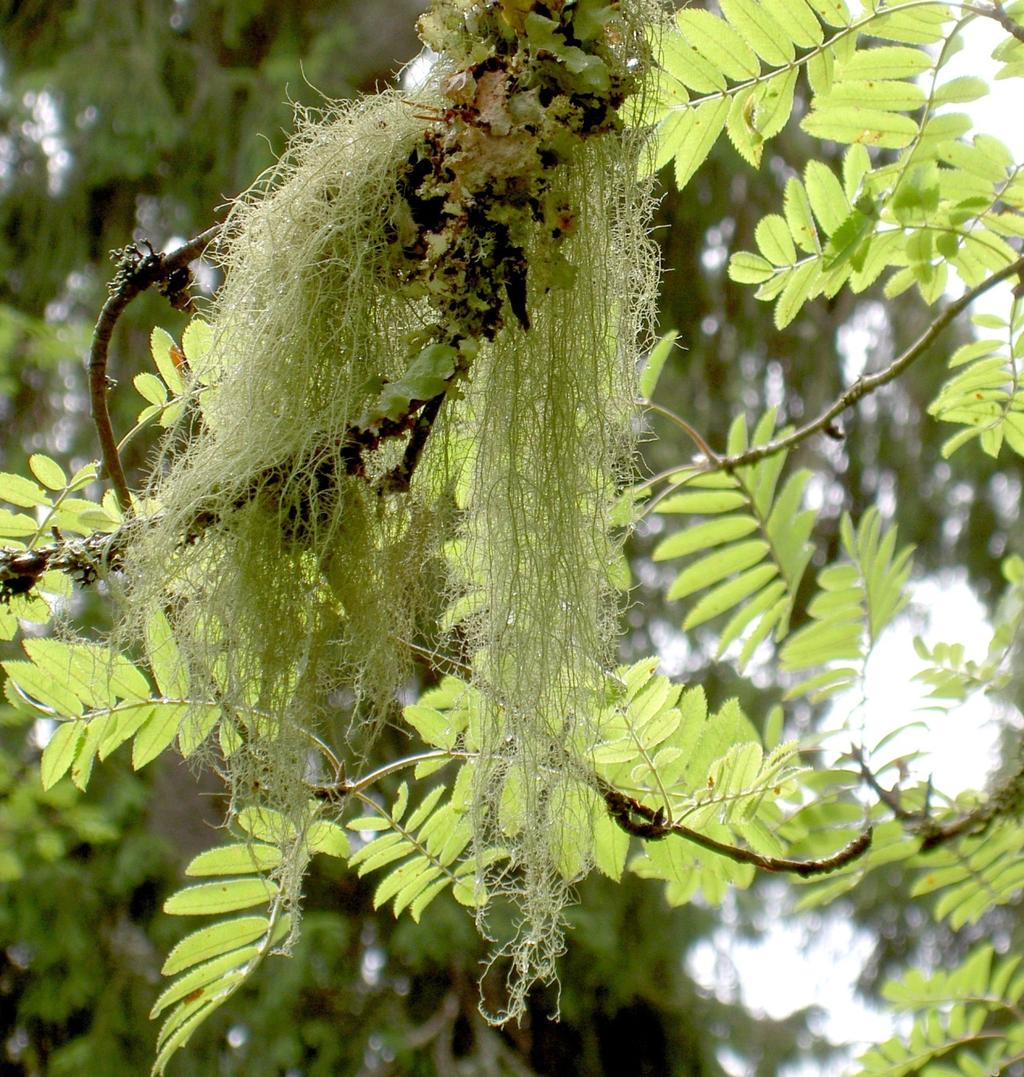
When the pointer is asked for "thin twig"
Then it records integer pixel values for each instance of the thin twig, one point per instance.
(974, 822)
(691, 431)
(339, 790)
(996, 12)
(869, 383)
(442, 1021)
(889, 797)
(932, 833)
(137, 273)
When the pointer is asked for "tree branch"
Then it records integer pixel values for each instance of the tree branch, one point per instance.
(1005, 801)
(996, 12)
(83, 559)
(400, 476)
(136, 273)
(630, 814)
(869, 383)
(648, 823)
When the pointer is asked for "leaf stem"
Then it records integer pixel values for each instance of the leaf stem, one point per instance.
(691, 431)
(343, 788)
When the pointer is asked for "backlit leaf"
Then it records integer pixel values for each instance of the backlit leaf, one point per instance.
(214, 899)
(208, 942)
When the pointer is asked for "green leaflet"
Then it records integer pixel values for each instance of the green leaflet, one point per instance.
(266, 824)
(707, 503)
(209, 942)
(826, 196)
(857, 598)
(165, 658)
(216, 960)
(870, 127)
(15, 524)
(49, 473)
(421, 850)
(888, 95)
(693, 134)
(799, 219)
(150, 388)
(112, 700)
(244, 858)
(158, 732)
(719, 42)
(950, 675)
(980, 873)
(761, 29)
(20, 491)
(95, 675)
(775, 241)
(202, 976)
(164, 350)
(429, 374)
(213, 899)
(748, 558)
(60, 752)
(800, 284)
(710, 533)
(716, 566)
(41, 690)
(198, 724)
(959, 1018)
(984, 396)
(327, 838)
(913, 24)
(656, 362)
(886, 62)
(797, 19)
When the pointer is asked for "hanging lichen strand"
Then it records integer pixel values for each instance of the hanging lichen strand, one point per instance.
(465, 269)
(549, 408)
(552, 409)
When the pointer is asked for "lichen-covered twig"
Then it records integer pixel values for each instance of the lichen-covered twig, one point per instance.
(650, 824)
(137, 271)
(84, 560)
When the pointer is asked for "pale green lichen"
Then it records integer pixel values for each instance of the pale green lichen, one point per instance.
(400, 288)
(548, 412)
(284, 576)
(551, 410)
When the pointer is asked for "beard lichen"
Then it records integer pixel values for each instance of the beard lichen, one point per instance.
(468, 268)
(551, 413)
